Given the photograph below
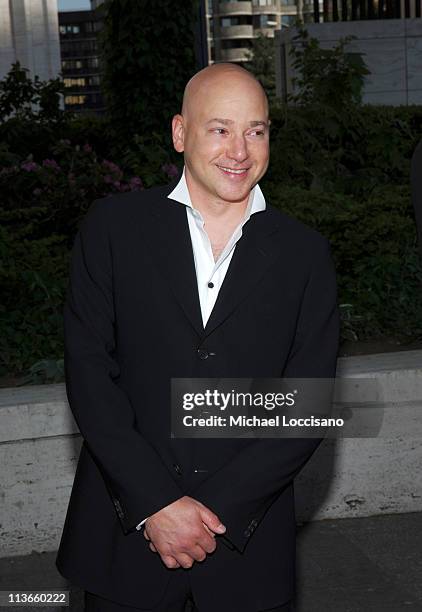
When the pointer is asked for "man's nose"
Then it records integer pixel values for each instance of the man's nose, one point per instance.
(237, 149)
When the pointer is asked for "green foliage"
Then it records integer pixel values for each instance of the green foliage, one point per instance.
(33, 276)
(262, 63)
(148, 53)
(26, 98)
(373, 240)
(327, 77)
(341, 169)
(348, 152)
(42, 204)
(45, 371)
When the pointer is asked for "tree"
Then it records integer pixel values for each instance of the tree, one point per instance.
(148, 56)
(332, 78)
(261, 62)
(25, 98)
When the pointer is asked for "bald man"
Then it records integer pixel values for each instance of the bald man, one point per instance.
(201, 278)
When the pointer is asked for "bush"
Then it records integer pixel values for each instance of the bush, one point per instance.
(343, 170)
(42, 204)
(33, 275)
(374, 246)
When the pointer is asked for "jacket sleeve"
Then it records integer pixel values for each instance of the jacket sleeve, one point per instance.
(138, 481)
(242, 491)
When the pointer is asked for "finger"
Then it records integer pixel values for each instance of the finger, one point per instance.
(185, 560)
(211, 520)
(152, 547)
(207, 543)
(209, 530)
(170, 561)
(146, 536)
(198, 553)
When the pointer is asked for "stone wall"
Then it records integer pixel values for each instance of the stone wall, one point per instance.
(40, 444)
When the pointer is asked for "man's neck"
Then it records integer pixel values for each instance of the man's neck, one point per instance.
(220, 217)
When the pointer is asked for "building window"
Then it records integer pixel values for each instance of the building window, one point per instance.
(235, 43)
(288, 20)
(72, 64)
(70, 29)
(263, 2)
(288, 2)
(92, 62)
(78, 48)
(227, 22)
(71, 82)
(267, 21)
(74, 100)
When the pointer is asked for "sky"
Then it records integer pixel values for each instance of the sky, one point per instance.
(70, 5)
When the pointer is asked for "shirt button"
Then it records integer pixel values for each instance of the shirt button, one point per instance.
(210, 285)
(202, 353)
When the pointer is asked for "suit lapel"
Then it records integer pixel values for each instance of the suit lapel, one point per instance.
(254, 253)
(172, 248)
(171, 244)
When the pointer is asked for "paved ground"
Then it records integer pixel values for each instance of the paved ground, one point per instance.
(350, 565)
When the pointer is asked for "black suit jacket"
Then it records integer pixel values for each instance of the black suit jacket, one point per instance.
(132, 322)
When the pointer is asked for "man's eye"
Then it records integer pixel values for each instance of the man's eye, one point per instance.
(257, 133)
(219, 130)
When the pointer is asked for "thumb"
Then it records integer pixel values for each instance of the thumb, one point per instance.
(211, 520)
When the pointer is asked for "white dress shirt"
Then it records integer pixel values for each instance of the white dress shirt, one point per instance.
(210, 273)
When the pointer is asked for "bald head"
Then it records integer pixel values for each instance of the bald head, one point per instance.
(213, 80)
(223, 133)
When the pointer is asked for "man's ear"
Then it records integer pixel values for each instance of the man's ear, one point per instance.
(178, 133)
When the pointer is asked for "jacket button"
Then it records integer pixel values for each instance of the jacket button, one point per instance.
(202, 353)
(118, 507)
(247, 533)
(177, 468)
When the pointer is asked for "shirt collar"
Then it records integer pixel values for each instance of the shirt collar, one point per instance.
(181, 194)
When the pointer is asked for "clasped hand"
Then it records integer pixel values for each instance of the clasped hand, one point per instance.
(183, 532)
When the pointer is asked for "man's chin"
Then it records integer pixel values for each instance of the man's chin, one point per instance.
(234, 195)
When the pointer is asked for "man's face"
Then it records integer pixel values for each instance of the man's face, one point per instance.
(224, 135)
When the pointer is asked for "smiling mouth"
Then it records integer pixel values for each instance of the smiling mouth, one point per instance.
(239, 171)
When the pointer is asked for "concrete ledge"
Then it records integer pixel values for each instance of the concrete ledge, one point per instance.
(40, 444)
(35, 412)
(366, 477)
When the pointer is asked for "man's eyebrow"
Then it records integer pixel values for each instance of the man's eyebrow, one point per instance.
(223, 121)
(229, 121)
